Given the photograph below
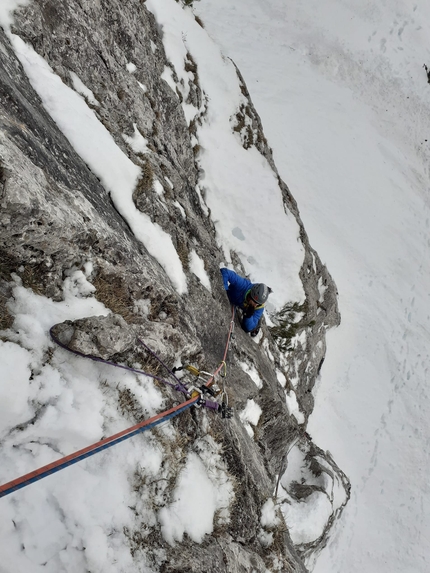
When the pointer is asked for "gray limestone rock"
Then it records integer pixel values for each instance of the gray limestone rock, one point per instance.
(101, 336)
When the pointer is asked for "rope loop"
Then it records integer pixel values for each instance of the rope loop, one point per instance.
(66, 461)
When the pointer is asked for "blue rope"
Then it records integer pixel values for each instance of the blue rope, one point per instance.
(59, 465)
(92, 452)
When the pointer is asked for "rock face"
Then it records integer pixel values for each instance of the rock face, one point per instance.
(97, 336)
(56, 215)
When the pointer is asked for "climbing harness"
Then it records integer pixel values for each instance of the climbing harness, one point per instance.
(196, 398)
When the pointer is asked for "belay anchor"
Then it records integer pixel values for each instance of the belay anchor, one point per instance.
(213, 390)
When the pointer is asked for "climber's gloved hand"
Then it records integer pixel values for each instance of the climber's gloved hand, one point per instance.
(224, 277)
(248, 312)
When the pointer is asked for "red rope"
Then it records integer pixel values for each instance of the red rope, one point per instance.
(65, 461)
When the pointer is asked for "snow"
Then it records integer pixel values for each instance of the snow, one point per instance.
(344, 102)
(159, 189)
(170, 184)
(181, 209)
(252, 373)
(193, 506)
(167, 76)
(142, 306)
(201, 490)
(268, 514)
(250, 416)
(197, 266)
(293, 406)
(306, 518)
(265, 538)
(233, 177)
(281, 378)
(143, 87)
(6, 9)
(131, 68)
(96, 146)
(266, 347)
(82, 89)
(306, 521)
(35, 314)
(14, 406)
(137, 142)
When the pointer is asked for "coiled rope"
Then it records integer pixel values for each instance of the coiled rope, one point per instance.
(76, 457)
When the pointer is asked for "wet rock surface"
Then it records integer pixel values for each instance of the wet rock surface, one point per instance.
(56, 215)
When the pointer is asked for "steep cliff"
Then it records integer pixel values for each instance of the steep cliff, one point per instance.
(122, 231)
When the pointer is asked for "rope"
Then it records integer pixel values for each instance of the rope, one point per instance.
(211, 380)
(129, 368)
(179, 386)
(76, 457)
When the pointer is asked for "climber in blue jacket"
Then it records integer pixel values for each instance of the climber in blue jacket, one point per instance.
(249, 297)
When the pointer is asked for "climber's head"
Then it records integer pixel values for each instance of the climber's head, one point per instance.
(258, 294)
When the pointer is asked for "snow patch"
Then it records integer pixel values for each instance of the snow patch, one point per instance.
(195, 501)
(158, 188)
(81, 88)
(167, 76)
(197, 267)
(169, 183)
(269, 518)
(306, 521)
(15, 370)
(293, 406)
(7, 7)
(137, 142)
(252, 373)
(266, 347)
(181, 209)
(142, 306)
(143, 87)
(281, 378)
(250, 416)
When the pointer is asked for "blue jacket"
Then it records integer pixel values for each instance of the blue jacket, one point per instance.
(237, 288)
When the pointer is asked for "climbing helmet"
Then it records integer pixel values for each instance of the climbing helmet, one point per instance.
(260, 293)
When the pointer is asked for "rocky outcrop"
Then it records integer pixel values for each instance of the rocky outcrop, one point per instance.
(56, 215)
(96, 336)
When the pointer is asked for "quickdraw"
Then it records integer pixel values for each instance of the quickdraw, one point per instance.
(194, 400)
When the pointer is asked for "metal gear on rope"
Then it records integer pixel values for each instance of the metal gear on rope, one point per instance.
(196, 400)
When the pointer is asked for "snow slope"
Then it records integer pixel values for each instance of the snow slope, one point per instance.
(233, 177)
(345, 104)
